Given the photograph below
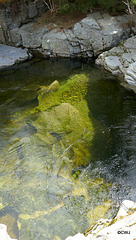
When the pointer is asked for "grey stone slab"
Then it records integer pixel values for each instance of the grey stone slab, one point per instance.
(11, 55)
(112, 62)
(96, 15)
(31, 36)
(89, 23)
(130, 43)
(6, 62)
(57, 43)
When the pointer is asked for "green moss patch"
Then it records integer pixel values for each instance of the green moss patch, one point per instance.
(64, 112)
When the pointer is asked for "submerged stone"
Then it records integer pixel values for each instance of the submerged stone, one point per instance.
(65, 113)
(72, 91)
(45, 179)
(51, 88)
(66, 120)
(99, 212)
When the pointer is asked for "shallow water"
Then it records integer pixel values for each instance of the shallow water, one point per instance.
(41, 196)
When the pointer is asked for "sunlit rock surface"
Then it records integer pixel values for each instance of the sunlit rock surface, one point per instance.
(3, 233)
(123, 226)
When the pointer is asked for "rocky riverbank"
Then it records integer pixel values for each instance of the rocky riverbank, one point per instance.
(121, 60)
(123, 226)
(87, 38)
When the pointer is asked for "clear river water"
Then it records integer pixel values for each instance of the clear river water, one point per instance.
(55, 183)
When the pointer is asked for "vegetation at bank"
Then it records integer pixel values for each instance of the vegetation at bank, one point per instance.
(68, 6)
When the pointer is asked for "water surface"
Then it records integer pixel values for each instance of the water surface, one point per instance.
(41, 195)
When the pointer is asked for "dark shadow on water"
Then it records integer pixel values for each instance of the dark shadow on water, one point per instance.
(114, 148)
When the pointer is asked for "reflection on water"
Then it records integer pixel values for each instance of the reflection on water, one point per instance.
(44, 193)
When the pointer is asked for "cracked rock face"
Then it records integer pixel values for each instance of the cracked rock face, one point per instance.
(87, 38)
(57, 44)
(121, 60)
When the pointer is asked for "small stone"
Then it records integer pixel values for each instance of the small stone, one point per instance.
(130, 75)
(90, 22)
(96, 15)
(32, 10)
(54, 86)
(112, 62)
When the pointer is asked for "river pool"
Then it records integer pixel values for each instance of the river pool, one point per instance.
(67, 154)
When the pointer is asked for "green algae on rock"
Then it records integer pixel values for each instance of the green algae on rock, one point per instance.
(78, 196)
(40, 202)
(66, 120)
(72, 91)
(53, 87)
(58, 149)
(64, 112)
(99, 212)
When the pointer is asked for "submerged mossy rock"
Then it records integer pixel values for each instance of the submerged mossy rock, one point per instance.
(64, 118)
(48, 201)
(70, 213)
(64, 114)
(99, 212)
(72, 91)
(66, 123)
(51, 88)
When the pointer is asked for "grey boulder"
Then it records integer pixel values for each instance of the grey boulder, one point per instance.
(87, 38)
(11, 55)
